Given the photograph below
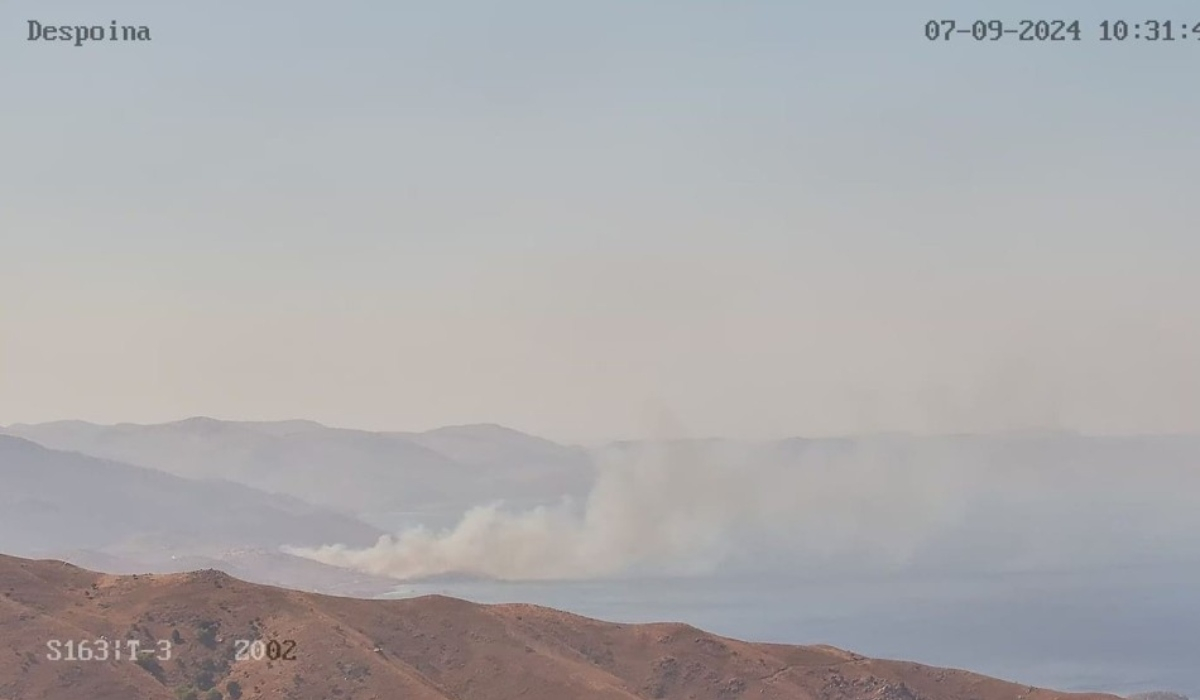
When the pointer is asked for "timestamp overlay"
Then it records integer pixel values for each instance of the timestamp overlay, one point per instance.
(1180, 30)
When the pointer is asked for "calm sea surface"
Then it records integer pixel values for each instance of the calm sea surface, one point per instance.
(1120, 631)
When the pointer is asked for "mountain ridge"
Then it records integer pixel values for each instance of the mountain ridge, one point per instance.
(66, 504)
(429, 648)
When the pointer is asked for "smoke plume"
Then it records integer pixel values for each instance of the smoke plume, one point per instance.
(868, 504)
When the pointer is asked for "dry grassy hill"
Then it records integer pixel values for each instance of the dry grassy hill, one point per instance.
(431, 648)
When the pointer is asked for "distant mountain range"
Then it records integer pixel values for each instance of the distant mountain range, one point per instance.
(54, 499)
(230, 639)
(349, 470)
(122, 518)
(205, 492)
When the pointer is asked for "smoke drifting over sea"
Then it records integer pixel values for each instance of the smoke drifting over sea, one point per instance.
(887, 504)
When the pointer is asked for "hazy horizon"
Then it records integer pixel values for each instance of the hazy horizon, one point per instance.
(665, 431)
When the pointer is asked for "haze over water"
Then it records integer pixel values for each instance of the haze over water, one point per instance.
(1117, 631)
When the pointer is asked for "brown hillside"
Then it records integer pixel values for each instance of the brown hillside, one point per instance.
(431, 648)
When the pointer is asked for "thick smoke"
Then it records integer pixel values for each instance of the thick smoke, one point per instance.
(862, 505)
(660, 510)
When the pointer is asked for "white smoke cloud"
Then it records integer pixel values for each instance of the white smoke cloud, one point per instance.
(648, 509)
(886, 504)
(676, 508)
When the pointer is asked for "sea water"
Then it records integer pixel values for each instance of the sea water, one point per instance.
(1121, 631)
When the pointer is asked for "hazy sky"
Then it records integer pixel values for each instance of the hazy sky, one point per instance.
(760, 218)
